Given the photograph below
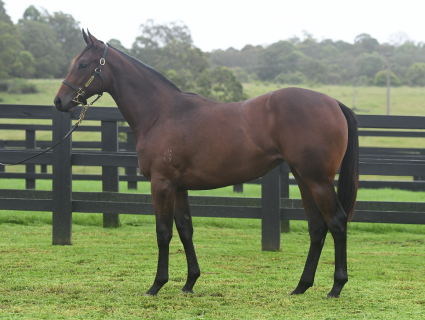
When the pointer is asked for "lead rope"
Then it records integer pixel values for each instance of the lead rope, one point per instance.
(80, 92)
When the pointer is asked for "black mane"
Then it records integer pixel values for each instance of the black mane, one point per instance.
(149, 68)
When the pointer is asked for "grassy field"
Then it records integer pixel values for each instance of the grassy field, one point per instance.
(369, 100)
(106, 272)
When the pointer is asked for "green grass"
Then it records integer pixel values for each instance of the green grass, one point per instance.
(369, 100)
(105, 273)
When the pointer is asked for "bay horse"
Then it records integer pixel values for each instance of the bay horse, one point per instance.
(187, 142)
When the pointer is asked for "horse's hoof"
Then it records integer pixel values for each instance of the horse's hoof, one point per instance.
(331, 295)
(187, 291)
(147, 294)
(298, 291)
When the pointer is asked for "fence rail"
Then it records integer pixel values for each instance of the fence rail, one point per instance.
(272, 208)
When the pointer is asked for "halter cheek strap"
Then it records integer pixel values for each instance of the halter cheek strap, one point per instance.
(81, 92)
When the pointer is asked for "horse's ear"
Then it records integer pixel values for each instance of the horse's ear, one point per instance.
(85, 37)
(93, 39)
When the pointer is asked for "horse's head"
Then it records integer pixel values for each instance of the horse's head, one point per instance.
(86, 77)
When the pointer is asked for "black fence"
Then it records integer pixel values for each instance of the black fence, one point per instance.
(273, 207)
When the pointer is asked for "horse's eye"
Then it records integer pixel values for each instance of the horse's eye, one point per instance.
(83, 66)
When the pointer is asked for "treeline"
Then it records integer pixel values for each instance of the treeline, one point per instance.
(296, 61)
(42, 45)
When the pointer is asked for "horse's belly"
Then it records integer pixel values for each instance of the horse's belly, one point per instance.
(227, 171)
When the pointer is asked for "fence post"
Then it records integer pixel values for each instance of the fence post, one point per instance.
(419, 178)
(284, 192)
(270, 207)
(30, 167)
(238, 188)
(110, 177)
(62, 179)
(131, 171)
(2, 145)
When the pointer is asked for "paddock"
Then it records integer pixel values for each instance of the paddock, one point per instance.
(105, 272)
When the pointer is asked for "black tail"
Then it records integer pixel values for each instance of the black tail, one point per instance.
(349, 174)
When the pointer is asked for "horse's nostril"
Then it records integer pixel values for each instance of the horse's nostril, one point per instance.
(58, 102)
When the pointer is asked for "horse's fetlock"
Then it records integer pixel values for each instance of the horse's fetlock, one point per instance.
(340, 279)
(161, 281)
(194, 274)
(306, 284)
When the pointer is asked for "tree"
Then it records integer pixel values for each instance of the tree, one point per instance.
(10, 46)
(416, 74)
(381, 79)
(280, 57)
(3, 15)
(24, 65)
(369, 64)
(182, 56)
(160, 35)
(365, 43)
(169, 49)
(12, 58)
(117, 44)
(153, 37)
(31, 13)
(68, 34)
(290, 78)
(41, 40)
(220, 84)
(310, 48)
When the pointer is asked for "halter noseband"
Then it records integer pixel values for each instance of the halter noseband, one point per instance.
(81, 92)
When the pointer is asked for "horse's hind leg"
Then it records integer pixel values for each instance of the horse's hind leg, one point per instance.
(184, 226)
(317, 229)
(336, 220)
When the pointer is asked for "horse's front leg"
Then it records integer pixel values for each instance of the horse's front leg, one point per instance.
(164, 197)
(185, 229)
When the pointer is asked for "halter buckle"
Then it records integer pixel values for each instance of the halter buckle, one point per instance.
(76, 99)
(102, 61)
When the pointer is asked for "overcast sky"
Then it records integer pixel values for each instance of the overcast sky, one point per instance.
(221, 24)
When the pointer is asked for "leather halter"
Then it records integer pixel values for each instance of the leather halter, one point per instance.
(81, 92)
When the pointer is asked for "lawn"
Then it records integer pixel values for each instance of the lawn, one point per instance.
(105, 273)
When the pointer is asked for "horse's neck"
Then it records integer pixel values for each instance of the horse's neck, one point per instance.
(141, 95)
